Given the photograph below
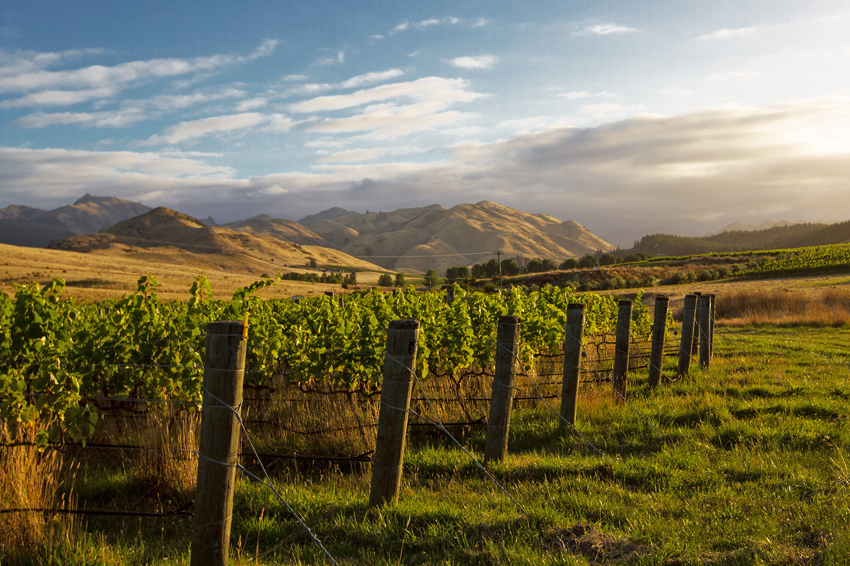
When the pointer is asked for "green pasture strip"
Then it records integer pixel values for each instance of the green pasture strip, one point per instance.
(750, 464)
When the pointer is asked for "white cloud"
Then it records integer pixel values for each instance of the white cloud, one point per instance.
(251, 104)
(728, 34)
(427, 23)
(264, 50)
(607, 29)
(480, 22)
(479, 62)
(401, 27)
(374, 77)
(296, 77)
(430, 89)
(368, 154)
(205, 126)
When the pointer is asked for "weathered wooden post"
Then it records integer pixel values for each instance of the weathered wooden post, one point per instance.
(688, 322)
(711, 332)
(695, 341)
(218, 449)
(329, 294)
(659, 330)
(341, 302)
(572, 362)
(399, 365)
(504, 384)
(621, 349)
(450, 294)
(705, 331)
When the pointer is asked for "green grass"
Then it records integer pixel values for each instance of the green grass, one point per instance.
(745, 463)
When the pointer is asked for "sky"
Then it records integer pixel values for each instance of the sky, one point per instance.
(628, 117)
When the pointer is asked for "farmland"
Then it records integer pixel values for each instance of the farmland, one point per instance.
(742, 462)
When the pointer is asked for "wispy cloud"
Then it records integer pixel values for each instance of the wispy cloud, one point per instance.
(368, 154)
(427, 89)
(29, 72)
(371, 78)
(727, 34)
(475, 62)
(606, 29)
(296, 77)
(206, 126)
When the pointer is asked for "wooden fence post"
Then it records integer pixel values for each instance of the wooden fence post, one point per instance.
(572, 361)
(705, 331)
(450, 294)
(218, 450)
(399, 365)
(504, 384)
(659, 331)
(621, 349)
(695, 339)
(688, 319)
(711, 330)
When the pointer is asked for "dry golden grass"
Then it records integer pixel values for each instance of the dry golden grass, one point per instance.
(95, 277)
(830, 307)
(30, 479)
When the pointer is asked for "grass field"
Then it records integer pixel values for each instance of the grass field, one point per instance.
(745, 463)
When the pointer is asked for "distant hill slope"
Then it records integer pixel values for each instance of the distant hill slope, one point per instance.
(27, 226)
(329, 214)
(778, 237)
(279, 228)
(164, 235)
(740, 227)
(432, 237)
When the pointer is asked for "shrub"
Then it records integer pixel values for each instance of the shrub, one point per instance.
(568, 264)
(385, 280)
(679, 278)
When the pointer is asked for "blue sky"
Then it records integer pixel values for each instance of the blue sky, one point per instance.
(623, 116)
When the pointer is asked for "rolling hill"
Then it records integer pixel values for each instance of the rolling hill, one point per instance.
(433, 237)
(163, 235)
(32, 227)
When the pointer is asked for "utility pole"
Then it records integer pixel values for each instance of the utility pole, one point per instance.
(499, 256)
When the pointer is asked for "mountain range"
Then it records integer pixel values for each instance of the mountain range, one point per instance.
(433, 237)
(32, 227)
(407, 239)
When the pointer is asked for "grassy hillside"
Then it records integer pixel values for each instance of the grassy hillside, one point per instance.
(779, 237)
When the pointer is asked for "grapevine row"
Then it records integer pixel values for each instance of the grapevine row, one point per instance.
(56, 355)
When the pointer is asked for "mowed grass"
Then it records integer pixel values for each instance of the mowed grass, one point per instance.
(747, 462)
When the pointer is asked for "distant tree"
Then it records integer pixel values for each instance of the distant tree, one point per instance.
(568, 264)
(534, 266)
(399, 279)
(385, 280)
(549, 265)
(479, 271)
(431, 277)
(587, 260)
(456, 273)
(510, 267)
(607, 259)
(492, 268)
(313, 263)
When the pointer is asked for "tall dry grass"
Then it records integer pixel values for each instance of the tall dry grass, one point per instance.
(167, 436)
(31, 481)
(830, 307)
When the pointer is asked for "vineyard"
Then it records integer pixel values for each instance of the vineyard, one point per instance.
(820, 259)
(61, 358)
